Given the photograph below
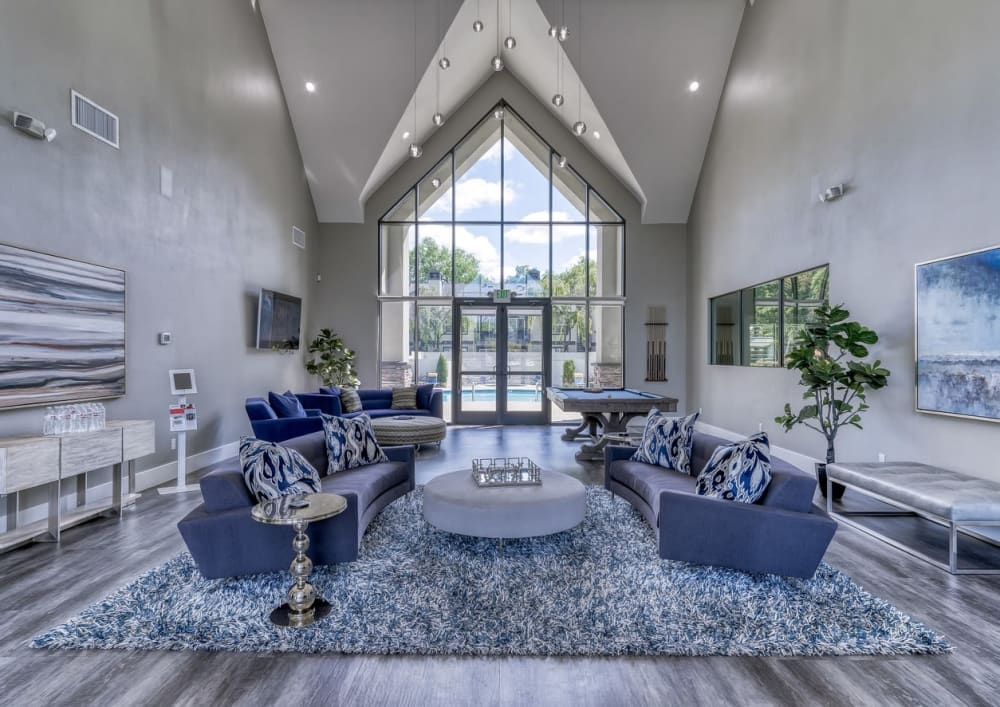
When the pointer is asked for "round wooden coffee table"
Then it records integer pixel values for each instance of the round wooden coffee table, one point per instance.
(454, 503)
(409, 429)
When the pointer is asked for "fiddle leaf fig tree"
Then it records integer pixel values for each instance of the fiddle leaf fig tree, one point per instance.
(334, 362)
(829, 353)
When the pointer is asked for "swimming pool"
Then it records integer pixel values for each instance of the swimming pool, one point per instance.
(487, 394)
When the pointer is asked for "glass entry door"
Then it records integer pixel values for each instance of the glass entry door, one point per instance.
(503, 356)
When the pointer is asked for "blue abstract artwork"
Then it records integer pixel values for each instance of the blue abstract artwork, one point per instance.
(62, 329)
(958, 335)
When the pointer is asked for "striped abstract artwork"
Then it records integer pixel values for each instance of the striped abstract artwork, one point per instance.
(62, 329)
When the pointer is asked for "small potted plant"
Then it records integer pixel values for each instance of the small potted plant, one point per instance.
(829, 354)
(335, 362)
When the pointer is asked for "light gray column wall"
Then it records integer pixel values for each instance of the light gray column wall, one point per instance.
(195, 87)
(655, 254)
(898, 98)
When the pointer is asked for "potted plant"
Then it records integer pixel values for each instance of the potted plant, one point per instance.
(829, 353)
(568, 373)
(442, 371)
(335, 362)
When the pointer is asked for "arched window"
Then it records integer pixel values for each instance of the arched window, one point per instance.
(501, 212)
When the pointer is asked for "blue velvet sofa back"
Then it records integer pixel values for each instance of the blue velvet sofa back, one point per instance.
(377, 402)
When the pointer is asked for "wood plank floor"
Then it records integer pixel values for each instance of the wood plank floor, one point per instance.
(42, 585)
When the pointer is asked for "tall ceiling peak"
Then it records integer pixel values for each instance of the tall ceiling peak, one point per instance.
(631, 87)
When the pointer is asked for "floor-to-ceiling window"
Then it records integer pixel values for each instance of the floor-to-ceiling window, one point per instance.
(501, 211)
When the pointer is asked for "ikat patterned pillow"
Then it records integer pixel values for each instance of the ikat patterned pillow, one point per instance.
(350, 443)
(667, 441)
(739, 471)
(271, 471)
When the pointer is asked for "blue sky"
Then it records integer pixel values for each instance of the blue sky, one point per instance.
(526, 199)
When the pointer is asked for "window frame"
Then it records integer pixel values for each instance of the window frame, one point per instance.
(587, 300)
(741, 324)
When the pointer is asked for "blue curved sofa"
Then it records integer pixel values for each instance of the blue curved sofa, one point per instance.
(782, 533)
(268, 426)
(226, 542)
(377, 402)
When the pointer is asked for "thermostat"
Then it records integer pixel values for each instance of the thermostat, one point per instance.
(165, 338)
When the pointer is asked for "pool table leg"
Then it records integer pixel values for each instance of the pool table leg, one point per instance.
(614, 424)
(572, 434)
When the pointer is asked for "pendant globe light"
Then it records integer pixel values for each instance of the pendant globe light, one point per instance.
(510, 42)
(579, 127)
(478, 25)
(560, 31)
(438, 117)
(497, 61)
(557, 98)
(444, 62)
(415, 149)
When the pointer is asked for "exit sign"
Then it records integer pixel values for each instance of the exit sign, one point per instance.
(501, 295)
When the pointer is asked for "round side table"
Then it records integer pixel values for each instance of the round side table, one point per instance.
(303, 606)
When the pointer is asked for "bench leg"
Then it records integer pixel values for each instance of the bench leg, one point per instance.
(952, 548)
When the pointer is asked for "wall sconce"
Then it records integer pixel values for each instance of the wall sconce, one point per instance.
(833, 193)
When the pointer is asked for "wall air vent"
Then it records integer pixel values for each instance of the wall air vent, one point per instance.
(94, 120)
(299, 237)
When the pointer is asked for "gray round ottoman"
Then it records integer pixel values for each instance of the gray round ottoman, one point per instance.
(453, 503)
(409, 429)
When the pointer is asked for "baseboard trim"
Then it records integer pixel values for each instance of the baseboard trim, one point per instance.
(154, 476)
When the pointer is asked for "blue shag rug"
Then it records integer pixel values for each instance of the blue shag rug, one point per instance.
(599, 589)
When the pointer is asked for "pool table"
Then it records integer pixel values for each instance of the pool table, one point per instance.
(604, 413)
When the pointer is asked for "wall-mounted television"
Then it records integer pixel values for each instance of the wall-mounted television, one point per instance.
(279, 320)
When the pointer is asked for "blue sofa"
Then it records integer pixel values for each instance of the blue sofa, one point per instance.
(226, 542)
(377, 402)
(783, 533)
(268, 426)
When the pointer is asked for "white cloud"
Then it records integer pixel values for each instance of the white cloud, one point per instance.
(575, 259)
(476, 192)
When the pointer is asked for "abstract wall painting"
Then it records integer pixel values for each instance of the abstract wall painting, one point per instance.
(958, 335)
(62, 329)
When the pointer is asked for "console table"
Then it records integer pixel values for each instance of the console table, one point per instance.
(50, 462)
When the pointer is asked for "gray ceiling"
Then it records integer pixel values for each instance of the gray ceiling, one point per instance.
(638, 58)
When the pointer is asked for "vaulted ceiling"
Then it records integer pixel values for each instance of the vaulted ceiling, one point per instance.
(633, 59)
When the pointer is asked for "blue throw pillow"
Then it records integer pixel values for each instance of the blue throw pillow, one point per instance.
(350, 443)
(666, 441)
(271, 471)
(286, 405)
(424, 394)
(739, 471)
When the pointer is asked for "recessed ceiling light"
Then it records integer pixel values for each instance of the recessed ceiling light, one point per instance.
(406, 135)
(693, 86)
(597, 134)
(311, 87)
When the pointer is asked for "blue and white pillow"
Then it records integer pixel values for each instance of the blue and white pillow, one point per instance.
(667, 441)
(739, 471)
(350, 443)
(271, 471)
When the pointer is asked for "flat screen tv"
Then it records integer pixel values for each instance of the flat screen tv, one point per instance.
(279, 319)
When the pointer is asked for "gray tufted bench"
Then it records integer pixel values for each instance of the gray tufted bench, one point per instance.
(956, 501)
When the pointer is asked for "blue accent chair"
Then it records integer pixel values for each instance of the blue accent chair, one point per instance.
(377, 402)
(783, 533)
(268, 426)
(225, 541)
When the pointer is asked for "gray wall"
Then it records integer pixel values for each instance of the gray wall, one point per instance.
(897, 97)
(195, 87)
(655, 255)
